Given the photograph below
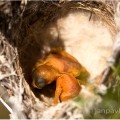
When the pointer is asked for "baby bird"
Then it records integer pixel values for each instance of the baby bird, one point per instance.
(63, 68)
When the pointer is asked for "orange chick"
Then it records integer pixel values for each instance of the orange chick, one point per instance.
(63, 68)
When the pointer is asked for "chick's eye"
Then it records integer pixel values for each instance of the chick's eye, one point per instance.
(40, 82)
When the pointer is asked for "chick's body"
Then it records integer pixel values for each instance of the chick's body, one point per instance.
(61, 67)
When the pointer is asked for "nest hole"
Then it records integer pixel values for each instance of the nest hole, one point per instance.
(36, 37)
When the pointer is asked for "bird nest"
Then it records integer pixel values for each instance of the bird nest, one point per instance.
(20, 48)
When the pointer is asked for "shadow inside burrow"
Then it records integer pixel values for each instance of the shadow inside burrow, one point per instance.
(36, 46)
